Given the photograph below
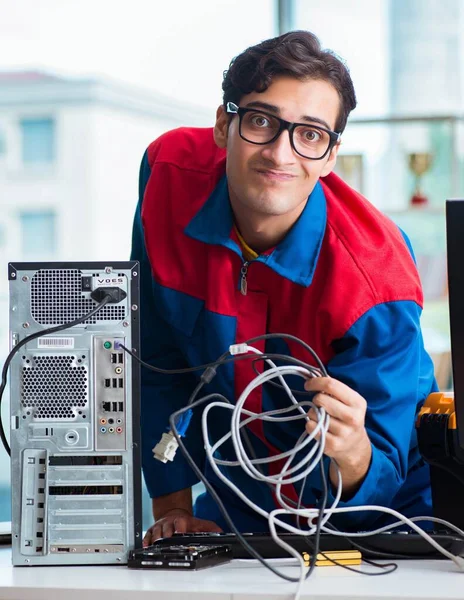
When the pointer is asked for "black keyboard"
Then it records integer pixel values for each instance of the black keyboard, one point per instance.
(398, 544)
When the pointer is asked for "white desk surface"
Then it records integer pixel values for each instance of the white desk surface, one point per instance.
(413, 580)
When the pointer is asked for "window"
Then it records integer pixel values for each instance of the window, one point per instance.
(38, 234)
(2, 144)
(38, 140)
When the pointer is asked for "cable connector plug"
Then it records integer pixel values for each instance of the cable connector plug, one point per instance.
(208, 374)
(183, 423)
(116, 294)
(235, 349)
(166, 448)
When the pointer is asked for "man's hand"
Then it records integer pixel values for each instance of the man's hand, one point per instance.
(178, 520)
(346, 441)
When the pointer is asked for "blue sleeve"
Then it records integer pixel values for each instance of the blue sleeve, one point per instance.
(383, 358)
(161, 394)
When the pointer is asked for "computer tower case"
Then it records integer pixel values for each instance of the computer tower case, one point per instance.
(75, 415)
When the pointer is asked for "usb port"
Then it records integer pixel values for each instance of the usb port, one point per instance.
(107, 382)
(115, 382)
(115, 406)
(114, 357)
(120, 407)
(121, 383)
(120, 358)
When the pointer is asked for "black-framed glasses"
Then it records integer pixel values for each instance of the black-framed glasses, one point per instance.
(260, 127)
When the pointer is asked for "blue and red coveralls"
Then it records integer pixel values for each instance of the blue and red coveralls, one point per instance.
(343, 280)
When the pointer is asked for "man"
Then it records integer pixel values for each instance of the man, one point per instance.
(243, 230)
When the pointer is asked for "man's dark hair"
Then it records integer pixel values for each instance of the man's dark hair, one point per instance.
(296, 54)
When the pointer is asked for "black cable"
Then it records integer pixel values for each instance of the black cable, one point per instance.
(212, 491)
(222, 360)
(385, 553)
(214, 364)
(34, 336)
(293, 338)
(393, 566)
(313, 547)
(365, 548)
(263, 357)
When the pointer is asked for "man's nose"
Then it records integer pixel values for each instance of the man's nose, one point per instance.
(280, 151)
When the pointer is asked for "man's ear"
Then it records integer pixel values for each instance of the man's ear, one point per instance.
(330, 164)
(221, 127)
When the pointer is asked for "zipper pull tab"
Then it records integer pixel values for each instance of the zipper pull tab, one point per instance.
(243, 281)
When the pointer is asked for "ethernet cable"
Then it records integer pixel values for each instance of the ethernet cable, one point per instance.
(289, 474)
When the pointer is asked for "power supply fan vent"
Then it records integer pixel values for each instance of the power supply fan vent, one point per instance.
(54, 386)
(57, 298)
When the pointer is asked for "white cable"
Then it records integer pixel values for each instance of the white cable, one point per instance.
(293, 473)
(265, 416)
(390, 511)
(236, 439)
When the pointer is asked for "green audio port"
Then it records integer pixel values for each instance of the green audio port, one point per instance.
(118, 370)
(107, 345)
(110, 429)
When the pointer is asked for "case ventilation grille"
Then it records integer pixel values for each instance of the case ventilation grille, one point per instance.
(53, 386)
(57, 298)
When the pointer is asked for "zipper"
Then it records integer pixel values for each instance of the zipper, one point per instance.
(243, 276)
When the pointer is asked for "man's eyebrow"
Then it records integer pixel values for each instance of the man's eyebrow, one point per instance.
(275, 109)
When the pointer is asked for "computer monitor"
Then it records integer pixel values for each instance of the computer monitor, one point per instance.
(440, 424)
(455, 251)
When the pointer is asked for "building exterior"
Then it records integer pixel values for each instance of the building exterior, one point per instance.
(70, 151)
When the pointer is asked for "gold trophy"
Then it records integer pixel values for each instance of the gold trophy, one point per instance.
(419, 163)
(350, 169)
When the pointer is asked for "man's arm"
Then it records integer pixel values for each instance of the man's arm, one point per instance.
(161, 394)
(181, 500)
(380, 376)
(174, 514)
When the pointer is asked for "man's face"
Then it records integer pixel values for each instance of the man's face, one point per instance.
(273, 179)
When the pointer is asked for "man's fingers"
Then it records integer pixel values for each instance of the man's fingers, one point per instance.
(180, 525)
(332, 441)
(333, 387)
(167, 529)
(147, 538)
(335, 408)
(157, 533)
(311, 426)
(201, 525)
